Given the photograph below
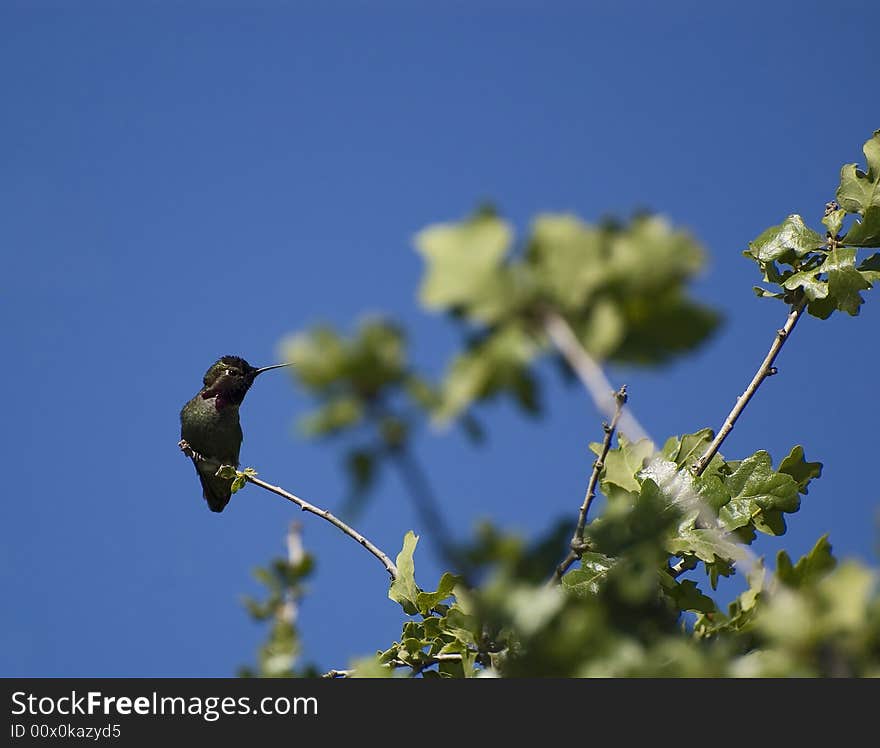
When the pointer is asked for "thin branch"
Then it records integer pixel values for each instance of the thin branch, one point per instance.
(590, 374)
(395, 664)
(577, 539)
(766, 369)
(306, 507)
(597, 385)
(332, 519)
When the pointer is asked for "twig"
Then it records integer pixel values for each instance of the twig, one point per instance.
(595, 382)
(395, 664)
(332, 519)
(590, 374)
(306, 507)
(766, 369)
(577, 539)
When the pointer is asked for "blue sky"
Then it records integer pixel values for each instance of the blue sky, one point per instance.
(184, 181)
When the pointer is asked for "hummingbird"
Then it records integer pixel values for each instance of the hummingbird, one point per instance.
(209, 423)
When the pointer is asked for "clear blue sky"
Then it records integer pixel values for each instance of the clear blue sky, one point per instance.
(178, 183)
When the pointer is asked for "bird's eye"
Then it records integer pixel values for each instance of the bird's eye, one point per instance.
(228, 372)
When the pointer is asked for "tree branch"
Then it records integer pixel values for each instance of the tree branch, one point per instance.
(332, 519)
(338, 674)
(577, 539)
(304, 506)
(766, 369)
(395, 664)
(591, 375)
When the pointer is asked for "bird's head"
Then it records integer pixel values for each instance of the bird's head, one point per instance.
(229, 379)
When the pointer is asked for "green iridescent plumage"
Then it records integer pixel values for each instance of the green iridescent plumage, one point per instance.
(210, 424)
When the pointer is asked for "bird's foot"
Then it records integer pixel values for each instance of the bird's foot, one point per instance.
(189, 451)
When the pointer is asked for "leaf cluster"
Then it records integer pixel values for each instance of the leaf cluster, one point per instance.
(625, 607)
(365, 389)
(823, 270)
(621, 287)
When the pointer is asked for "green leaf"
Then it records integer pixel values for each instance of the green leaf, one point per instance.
(870, 268)
(846, 591)
(569, 259)
(622, 463)
(760, 496)
(736, 514)
(334, 416)
(357, 368)
(844, 281)
(770, 522)
(662, 324)
(621, 286)
(860, 190)
(833, 220)
(498, 363)
(691, 447)
(603, 328)
(425, 601)
(687, 596)
(372, 667)
(756, 576)
(712, 490)
(865, 233)
(227, 472)
(404, 589)
(464, 627)
(821, 308)
(790, 239)
(707, 545)
(463, 264)
(260, 611)
(754, 481)
(649, 256)
(742, 610)
(810, 568)
(318, 357)
(814, 287)
(718, 569)
(798, 468)
(763, 293)
(422, 392)
(771, 273)
(413, 647)
(585, 580)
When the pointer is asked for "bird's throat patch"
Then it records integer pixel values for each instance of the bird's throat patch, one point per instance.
(220, 402)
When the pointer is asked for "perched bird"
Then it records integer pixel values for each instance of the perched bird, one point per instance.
(209, 423)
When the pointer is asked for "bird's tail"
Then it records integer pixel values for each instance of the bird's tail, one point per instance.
(217, 491)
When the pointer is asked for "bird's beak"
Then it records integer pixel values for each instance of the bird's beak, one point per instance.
(267, 368)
